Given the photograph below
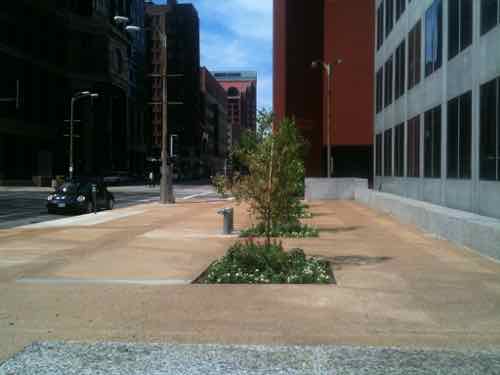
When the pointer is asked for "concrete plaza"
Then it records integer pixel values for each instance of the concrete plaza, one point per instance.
(125, 277)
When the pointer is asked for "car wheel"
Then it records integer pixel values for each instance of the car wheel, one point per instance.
(111, 204)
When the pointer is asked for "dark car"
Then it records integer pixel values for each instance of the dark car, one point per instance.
(77, 197)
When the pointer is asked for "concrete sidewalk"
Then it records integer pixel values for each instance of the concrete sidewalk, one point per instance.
(127, 280)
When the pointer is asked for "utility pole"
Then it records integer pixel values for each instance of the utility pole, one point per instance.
(166, 188)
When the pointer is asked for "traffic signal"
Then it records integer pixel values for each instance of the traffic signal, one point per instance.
(174, 146)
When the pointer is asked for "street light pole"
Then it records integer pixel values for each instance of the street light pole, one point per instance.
(166, 188)
(73, 99)
(328, 67)
(80, 95)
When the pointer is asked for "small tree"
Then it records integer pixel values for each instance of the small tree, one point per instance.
(274, 175)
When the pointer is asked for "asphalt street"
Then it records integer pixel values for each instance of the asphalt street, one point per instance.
(23, 206)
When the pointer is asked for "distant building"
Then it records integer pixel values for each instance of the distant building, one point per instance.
(49, 51)
(214, 123)
(327, 30)
(437, 114)
(241, 89)
(181, 24)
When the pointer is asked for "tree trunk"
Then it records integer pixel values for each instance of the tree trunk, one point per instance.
(269, 197)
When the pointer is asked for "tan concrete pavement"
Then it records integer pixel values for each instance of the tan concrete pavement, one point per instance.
(396, 286)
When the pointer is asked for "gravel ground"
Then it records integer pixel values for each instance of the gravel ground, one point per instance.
(56, 358)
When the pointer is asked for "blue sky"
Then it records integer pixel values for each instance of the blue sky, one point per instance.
(237, 35)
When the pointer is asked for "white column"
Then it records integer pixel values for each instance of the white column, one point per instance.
(444, 106)
(476, 82)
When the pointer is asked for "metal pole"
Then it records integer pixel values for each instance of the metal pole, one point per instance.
(18, 94)
(329, 149)
(71, 139)
(166, 191)
(172, 146)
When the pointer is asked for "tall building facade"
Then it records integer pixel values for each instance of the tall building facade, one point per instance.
(49, 51)
(327, 30)
(241, 89)
(139, 136)
(437, 117)
(180, 23)
(214, 123)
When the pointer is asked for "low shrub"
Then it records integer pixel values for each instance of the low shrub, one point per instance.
(302, 211)
(296, 230)
(251, 262)
(221, 184)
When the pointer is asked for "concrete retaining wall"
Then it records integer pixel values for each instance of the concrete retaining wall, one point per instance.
(463, 228)
(333, 188)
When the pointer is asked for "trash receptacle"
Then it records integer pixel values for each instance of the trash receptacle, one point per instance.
(228, 214)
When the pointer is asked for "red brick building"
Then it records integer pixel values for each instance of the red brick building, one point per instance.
(214, 123)
(241, 89)
(327, 30)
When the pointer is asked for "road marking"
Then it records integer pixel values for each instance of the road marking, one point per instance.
(84, 220)
(148, 200)
(9, 215)
(71, 281)
(197, 195)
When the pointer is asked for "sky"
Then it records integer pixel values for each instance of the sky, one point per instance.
(238, 35)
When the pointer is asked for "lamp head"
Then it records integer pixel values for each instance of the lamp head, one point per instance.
(120, 20)
(133, 29)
